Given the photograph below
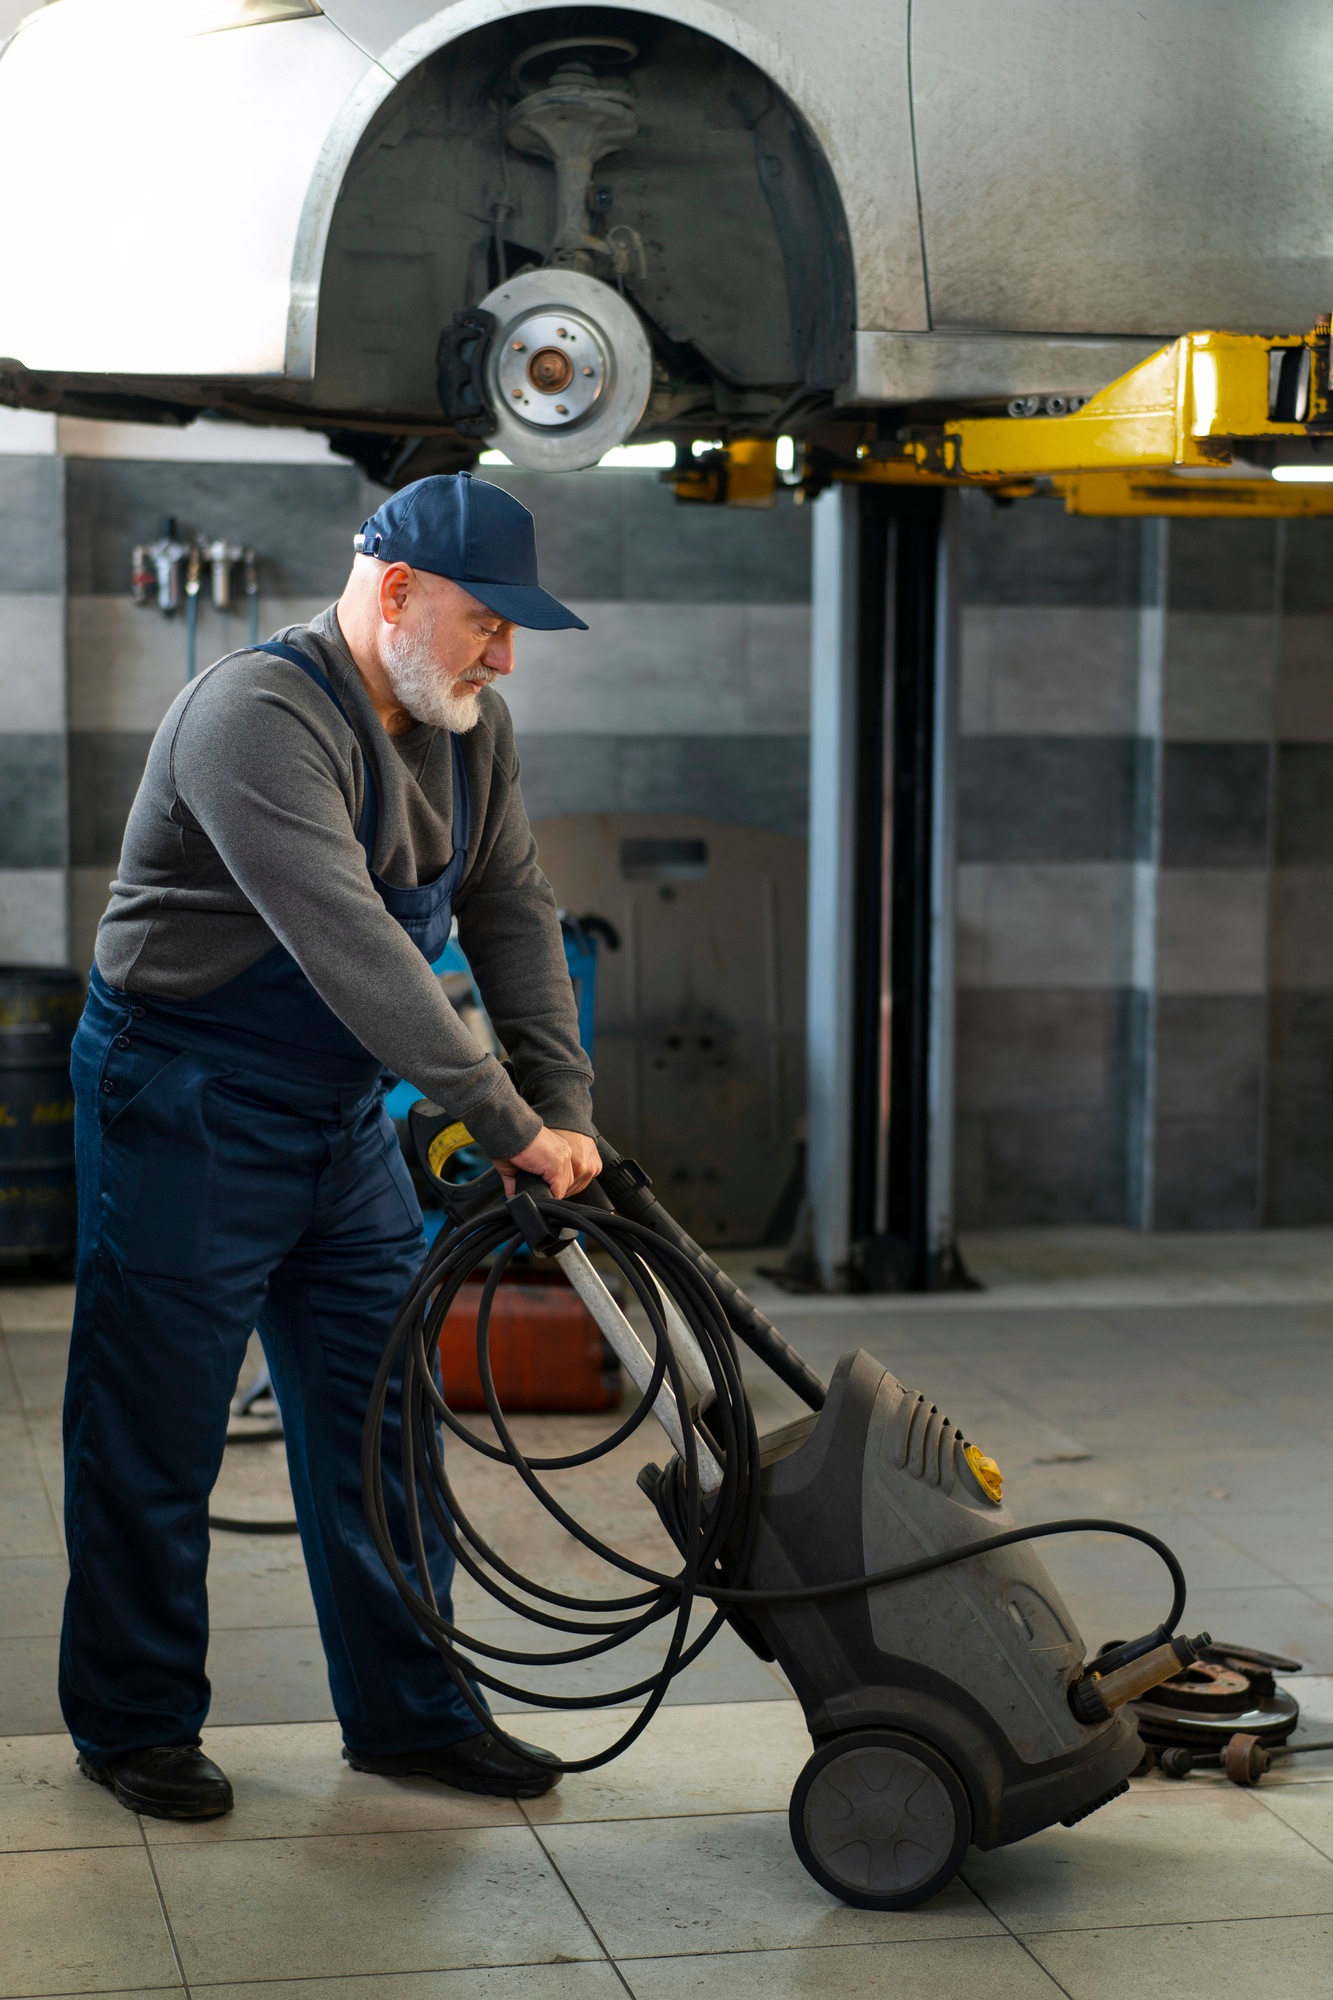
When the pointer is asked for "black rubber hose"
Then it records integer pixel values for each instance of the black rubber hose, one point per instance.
(811, 1593)
(253, 1527)
(651, 1262)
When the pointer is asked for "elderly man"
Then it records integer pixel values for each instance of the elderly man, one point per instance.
(313, 813)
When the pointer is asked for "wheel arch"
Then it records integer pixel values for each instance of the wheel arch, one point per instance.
(396, 65)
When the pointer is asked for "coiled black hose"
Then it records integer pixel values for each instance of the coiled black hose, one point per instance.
(599, 1625)
(651, 1264)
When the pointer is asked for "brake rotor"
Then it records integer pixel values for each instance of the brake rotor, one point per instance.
(1230, 1690)
(568, 371)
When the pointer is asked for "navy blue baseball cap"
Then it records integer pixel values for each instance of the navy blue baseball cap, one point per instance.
(478, 535)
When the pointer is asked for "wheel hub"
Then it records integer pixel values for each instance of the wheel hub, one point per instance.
(879, 1821)
(552, 368)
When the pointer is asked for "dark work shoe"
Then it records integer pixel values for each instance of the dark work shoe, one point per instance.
(477, 1764)
(175, 1781)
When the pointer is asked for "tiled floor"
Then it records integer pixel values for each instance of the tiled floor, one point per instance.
(1185, 1384)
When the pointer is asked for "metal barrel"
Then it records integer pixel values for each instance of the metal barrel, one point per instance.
(39, 1011)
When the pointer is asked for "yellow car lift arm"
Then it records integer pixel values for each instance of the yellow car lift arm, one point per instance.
(1208, 426)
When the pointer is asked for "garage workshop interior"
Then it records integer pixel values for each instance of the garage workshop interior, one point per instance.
(666, 1019)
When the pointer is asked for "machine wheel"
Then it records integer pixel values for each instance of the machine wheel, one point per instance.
(880, 1819)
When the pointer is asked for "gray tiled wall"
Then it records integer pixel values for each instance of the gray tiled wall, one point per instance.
(1231, 566)
(1304, 830)
(32, 510)
(1298, 1158)
(300, 517)
(613, 536)
(127, 662)
(32, 801)
(1209, 1106)
(1047, 798)
(1214, 835)
(1015, 555)
(105, 766)
(688, 694)
(1146, 866)
(33, 844)
(1039, 1076)
(1145, 783)
(1050, 829)
(743, 780)
(1300, 1106)
(1215, 805)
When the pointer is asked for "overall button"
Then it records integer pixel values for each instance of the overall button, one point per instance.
(108, 1085)
(122, 1041)
(138, 1012)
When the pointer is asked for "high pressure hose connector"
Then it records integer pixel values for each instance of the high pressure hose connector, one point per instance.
(1095, 1697)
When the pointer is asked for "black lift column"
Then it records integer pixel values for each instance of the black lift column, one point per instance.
(881, 976)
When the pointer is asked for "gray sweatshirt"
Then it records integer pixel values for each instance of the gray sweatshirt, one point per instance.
(243, 835)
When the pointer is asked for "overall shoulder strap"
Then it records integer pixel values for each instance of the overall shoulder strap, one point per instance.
(462, 821)
(294, 657)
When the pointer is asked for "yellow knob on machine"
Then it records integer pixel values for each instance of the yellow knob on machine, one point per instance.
(985, 1471)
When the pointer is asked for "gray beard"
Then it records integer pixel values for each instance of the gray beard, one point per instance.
(421, 688)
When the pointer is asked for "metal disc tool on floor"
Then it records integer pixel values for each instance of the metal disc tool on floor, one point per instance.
(1225, 1711)
(865, 1547)
(1228, 1690)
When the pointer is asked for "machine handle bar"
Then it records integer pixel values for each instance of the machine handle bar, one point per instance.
(625, 1188)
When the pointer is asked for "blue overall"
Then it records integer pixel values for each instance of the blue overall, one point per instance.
(237, 1170)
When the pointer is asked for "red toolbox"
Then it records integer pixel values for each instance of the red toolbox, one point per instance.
(547, 1351)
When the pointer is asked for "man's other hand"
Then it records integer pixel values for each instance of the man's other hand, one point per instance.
(566, 1161)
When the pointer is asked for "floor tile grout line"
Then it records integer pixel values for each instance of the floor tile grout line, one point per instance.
(646, 1958)
(94, 1993)
(313, 1979)
(839, 1945)
(330, 1979)
(1177, 1923)
(890, 1945)
(351, 1833)
(162, 1905)
(758, 1951)
(560, 1877)
(1323, 1854)
(1011, 1932)
(396, 1832)
(1166, 1801)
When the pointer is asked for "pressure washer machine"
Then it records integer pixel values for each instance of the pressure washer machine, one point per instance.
(864, 1547)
